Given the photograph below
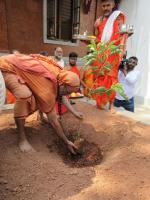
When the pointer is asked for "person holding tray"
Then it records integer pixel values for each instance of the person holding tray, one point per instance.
(108, 29)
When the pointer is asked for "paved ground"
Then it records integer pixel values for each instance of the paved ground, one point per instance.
(141, 114)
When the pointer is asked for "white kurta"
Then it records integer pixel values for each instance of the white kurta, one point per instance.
(129, 83)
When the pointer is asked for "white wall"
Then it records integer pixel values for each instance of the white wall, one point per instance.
(138, 14)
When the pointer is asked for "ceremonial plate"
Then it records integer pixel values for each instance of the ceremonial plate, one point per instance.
(84, 37)
(76, 95)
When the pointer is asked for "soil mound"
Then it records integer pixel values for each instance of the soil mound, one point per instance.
(120, 145)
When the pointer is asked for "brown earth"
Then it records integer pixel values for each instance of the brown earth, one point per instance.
(123, 174)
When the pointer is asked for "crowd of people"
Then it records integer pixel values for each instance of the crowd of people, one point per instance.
(41, 82)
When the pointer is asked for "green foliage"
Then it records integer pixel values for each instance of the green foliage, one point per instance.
(108, 67)
(101, 53)
(99, 90)
(119, 89)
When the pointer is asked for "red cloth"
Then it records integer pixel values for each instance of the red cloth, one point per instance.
(10, 98)
(75, 70)
(110, 77)
(63, 108)
(28, 64)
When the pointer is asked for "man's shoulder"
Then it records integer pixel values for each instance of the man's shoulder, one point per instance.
(133, 74)
(135, 71)
(98, 21)
(121, 17)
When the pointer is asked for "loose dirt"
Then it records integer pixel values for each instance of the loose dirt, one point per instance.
(114, 163)
(89, 154)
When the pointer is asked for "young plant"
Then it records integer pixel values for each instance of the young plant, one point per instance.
(99, 63)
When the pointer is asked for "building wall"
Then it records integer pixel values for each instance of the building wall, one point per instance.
(3, 27)
(137, 13)
(22, 27)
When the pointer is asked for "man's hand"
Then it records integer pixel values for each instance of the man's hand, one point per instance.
(71, 147)
(71, 109)
(78, 115)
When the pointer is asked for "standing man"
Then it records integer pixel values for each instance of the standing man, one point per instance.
(73, 56)
(58, 56)
(107, 29)
(128, 77)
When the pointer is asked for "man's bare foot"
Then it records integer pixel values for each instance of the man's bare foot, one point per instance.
(102, 108)
(25, 146)
(111, 108)
(112, 111)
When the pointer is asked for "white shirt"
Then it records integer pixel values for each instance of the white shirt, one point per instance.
(129, 83)
(2, 91)
(61, 63)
